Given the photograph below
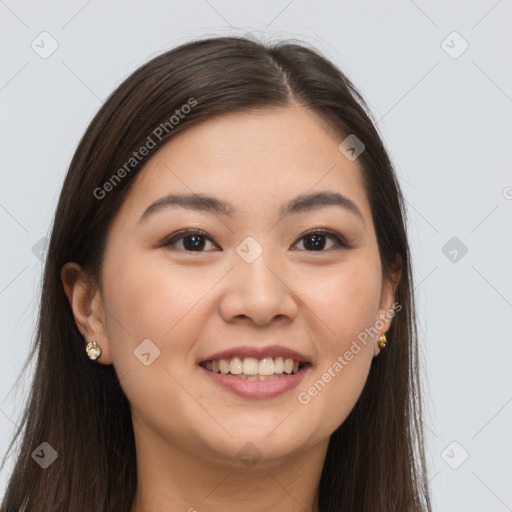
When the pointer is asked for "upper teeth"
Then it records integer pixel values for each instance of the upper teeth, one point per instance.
(253, 366)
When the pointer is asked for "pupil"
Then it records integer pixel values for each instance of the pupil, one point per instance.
(318, 241)
(197, 242)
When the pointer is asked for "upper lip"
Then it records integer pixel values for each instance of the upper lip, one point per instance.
(258, 353)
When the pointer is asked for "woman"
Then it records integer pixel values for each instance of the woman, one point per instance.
(227, 314)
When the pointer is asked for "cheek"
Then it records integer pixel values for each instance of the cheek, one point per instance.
(349, 302)
(147, 299)
(346, 299)
(150, 301)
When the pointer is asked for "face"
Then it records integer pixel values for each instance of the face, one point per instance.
(242, 283)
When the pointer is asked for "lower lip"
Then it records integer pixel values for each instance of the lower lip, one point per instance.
(258, 388)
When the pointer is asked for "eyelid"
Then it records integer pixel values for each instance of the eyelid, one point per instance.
(340, 241)
(168, 241)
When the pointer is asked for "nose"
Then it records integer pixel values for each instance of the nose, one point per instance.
(258, 292)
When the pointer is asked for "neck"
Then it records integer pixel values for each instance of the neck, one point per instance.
(169, 479)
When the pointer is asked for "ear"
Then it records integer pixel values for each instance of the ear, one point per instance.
(86, 303)
(387, 298)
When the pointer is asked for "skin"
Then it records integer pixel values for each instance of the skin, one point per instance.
(193, 304)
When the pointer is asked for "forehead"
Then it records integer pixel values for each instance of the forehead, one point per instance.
(253, 160)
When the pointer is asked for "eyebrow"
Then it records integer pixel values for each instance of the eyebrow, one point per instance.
(299, 204)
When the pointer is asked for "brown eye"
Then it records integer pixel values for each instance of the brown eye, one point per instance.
(189, 241)
(316, 241)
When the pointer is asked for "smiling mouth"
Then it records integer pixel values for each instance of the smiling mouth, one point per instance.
(251, 368)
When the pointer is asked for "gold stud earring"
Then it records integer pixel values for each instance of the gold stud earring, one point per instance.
(382, 341)
(93, 350)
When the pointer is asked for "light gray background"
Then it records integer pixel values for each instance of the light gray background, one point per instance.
(446, 122)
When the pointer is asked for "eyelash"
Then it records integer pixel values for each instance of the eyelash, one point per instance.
(340, 242)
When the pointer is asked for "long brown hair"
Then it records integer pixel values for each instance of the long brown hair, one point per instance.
(375, 459)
